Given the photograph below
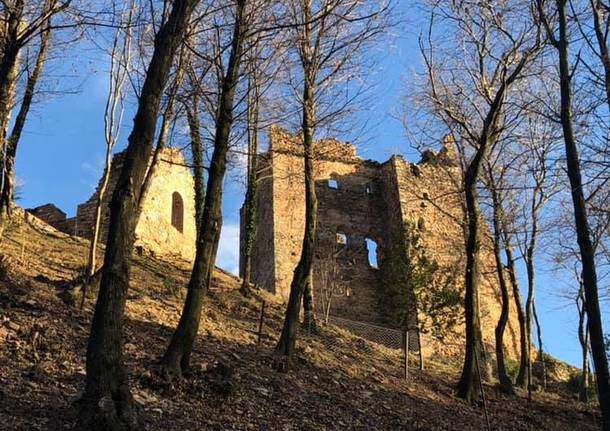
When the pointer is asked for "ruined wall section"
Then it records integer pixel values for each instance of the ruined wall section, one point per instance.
(263, 249)
(349, 210)
(155, 232)
(431, 201)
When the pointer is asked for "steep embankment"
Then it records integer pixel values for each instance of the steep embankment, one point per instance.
(337, 382)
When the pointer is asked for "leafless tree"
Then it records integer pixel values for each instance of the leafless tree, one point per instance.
(470, 78)
(107, 403)
(553, 18)
(177, 356)
(22, 22)
(120, 60)
(327, 41)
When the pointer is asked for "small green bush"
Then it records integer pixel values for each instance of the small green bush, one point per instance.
(512, 368)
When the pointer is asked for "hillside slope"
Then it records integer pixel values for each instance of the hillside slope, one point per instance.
(337, 382)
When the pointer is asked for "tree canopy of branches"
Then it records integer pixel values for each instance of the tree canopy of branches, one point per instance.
(470, 80)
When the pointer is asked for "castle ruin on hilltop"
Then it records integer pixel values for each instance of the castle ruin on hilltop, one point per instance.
(361, 205)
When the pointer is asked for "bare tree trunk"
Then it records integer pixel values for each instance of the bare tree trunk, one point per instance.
(506, 385)
(583, 338)
(176, 358)
(309, 317)
(6, 196)
(250, 204)
(8, 81)
(119, 69)
(540, 347)
(529, 304)
(192, 114)
(107, 403)
(512, 272)
(601, 35)
(302, 273)
(583, 232)
(166, 121)
(469, 386)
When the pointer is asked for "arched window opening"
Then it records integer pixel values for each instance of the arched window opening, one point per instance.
(341, 238)
(177, 212)
(332, 182)
(371, 247)
(421, 224)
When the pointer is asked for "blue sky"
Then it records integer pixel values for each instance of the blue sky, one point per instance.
(61, 154)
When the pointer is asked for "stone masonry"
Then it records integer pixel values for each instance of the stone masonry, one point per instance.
(167, 222)
(362, 200)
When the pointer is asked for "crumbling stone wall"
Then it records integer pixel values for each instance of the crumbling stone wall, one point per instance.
(364, 199)
(166, 226)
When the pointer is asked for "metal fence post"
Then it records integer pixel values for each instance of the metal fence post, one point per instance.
(406, 353)
(260, 322)
(421, 352)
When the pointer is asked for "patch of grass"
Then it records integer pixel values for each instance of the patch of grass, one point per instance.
(574, 383)
(512, 367)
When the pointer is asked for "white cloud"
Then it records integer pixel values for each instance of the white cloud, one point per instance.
(228, 249)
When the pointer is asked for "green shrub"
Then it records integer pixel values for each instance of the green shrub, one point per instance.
(512, 367)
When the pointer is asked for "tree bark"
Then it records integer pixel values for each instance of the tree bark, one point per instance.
(583, 338)
(506, 385)
(9, 62)
(540, 347)
(601, 35)
(521, 379)
(192, 114)
(309, 317)
(250, 204)
(583, 232)
(302, 273)
(468, 386)
(531, 285)
(176, 359)
(107, 403)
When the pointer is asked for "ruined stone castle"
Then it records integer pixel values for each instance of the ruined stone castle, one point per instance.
(166, 226)
(360, 205)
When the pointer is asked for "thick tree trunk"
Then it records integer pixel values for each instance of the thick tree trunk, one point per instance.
(583, 233)
(309, 317)
(601, 35)
(192, 114)
(469, 386)
(107, 403)
(506, 385)
(9, 62)
(6, 195)
(176, 359)
(166, 121)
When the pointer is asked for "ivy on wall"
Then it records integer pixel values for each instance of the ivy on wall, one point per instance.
(416, 292)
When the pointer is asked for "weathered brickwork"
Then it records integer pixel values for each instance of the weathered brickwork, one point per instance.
(359, 200)
(166, 226)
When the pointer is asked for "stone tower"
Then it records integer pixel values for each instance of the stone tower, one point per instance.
(361, 203)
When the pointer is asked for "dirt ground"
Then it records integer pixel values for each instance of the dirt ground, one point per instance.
(338, 381)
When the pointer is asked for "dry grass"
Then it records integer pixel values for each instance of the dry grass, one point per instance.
(338, 381)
